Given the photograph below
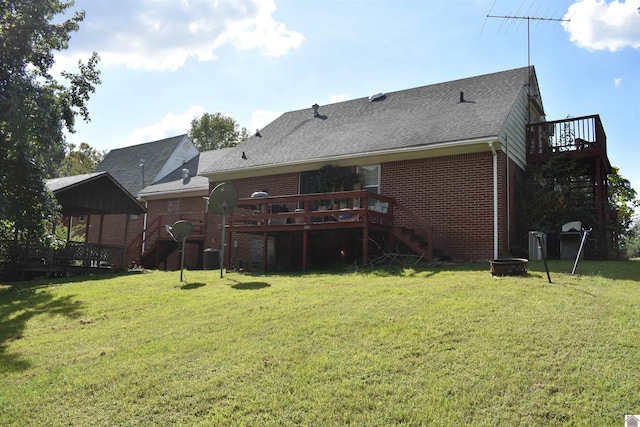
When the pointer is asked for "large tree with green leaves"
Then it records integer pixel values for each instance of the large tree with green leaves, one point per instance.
(216, 131)
(622, 200)
(80, 160)
(561, 190)
(35, 107)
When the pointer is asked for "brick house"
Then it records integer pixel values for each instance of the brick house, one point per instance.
(150, 165)
(438, 167)
(447, 152)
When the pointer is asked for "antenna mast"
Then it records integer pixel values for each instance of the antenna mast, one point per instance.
(527, 18)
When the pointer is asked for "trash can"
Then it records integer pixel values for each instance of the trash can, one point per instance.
(211, 259)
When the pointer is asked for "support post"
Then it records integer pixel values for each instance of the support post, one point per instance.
(365, 244)
(124, 246)
(265, 251)
(305, 251)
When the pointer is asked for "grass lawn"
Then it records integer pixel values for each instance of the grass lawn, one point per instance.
(422, 346)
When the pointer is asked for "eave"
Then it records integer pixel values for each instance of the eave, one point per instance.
(451, 148)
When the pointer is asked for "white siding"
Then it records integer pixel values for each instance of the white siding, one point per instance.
(184, 152)
(513, 135)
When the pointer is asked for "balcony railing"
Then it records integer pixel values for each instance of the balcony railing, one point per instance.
(287, 212)
(581, 134)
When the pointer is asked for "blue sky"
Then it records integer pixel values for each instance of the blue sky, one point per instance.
(165, 62)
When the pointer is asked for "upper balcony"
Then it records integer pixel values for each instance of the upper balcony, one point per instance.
(579, 137)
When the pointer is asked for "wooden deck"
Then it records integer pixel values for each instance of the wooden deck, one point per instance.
(363, 211)
(31, 260)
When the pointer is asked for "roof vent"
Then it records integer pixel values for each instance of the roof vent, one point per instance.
(185, 173)
(258, 133)
(377, 96)
(461, 96)
(315, 110)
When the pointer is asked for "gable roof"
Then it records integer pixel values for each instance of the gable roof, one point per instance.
(409, 120)
(173, 184)
(160, 158)
(96, 192)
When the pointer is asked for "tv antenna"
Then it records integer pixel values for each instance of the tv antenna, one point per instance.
(223, 200)
(528, 19)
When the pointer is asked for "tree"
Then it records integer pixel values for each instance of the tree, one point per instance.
(622, 200)
(550, 195)
(216, 131)
(560, 190)
(631, 241)
(35, 107)
(83, 160)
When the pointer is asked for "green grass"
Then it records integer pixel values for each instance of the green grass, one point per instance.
(423, 346)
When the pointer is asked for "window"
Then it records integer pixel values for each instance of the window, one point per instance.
(370, 177)
(174, 205)
(371, 181)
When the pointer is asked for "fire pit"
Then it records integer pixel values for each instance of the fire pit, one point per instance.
(508, 266)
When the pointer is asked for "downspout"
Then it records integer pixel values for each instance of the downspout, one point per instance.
(508, 192)
(144, 228)
(495, 199)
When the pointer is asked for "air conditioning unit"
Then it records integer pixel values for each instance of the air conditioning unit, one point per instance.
(535, 253)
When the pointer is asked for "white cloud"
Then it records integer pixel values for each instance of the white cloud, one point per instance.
(617, 81)
(338, 98)
(262, 32)
(171, 125)
(261, 118)
(161, 36)
(599, 25)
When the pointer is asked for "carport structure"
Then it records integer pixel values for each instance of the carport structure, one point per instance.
(88, 194)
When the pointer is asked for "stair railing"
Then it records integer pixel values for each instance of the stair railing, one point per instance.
(426, 225)
(141, 241)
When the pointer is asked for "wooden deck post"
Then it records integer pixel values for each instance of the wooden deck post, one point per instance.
(265, 250)
(100, 231)
(365, 244)
(305, 241)
(124, 246)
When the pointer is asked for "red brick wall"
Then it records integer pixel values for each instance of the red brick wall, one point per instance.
(454, 194)
(170, 211)
(113, 228)
(275, 185)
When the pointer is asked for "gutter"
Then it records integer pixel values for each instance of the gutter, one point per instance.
(221, 175)
(495, 199)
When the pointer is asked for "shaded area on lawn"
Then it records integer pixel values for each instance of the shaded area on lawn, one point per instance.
(19, 304)
(250, 286)
(194, 285)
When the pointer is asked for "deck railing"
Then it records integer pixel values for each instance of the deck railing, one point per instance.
(568, 135)
(156, 230)
(343, 206)
(72, 254)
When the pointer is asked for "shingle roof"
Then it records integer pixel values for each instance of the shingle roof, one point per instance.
(56, 184)
(124, 163)
(418, 117)
(174, 183)
(96, 192)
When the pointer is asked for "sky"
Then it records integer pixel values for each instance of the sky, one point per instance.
(165, 62)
